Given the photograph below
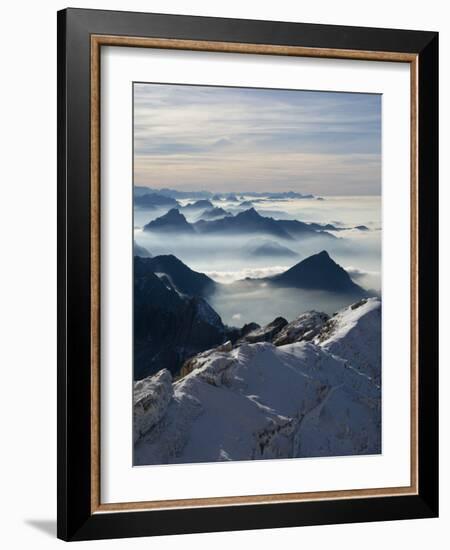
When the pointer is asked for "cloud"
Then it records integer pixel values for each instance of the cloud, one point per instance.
(357, 273)
(227, 277)
(221, 138)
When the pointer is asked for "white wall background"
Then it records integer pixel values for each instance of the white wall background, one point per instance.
(28, 273)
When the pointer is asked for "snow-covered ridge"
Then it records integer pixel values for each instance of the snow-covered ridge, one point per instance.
(318, 395)
(305, 327)
(151, 398)
(355, 335)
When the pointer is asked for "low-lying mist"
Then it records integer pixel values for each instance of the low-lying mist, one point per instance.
(221, 256)
(230, 258)
(262, 303)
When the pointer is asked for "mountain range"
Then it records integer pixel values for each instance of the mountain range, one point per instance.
(171, 222)
(173, 320)
(317, 272)
(315, 394)
(198, 206)
(245, 222)
(151, 201)
(173, 193)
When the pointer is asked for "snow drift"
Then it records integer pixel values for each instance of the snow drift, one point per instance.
(316, 393)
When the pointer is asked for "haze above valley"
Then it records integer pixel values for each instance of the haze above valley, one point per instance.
(230, 257)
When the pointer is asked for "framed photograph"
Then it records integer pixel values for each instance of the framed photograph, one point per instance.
(248, 295)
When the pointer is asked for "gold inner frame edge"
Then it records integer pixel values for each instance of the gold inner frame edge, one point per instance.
(97, 41)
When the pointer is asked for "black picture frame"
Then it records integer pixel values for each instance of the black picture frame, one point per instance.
(75, 518)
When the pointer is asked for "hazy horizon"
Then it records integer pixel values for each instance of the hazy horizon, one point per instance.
(241, 140)
(225, 192)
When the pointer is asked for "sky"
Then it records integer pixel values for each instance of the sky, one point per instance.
(251, 139)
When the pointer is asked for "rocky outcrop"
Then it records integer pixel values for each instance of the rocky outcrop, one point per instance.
(198, 360)
(266, 333)
(257, 401)
(169, 327)
(304, 328)
(151, 397)
(234, 334)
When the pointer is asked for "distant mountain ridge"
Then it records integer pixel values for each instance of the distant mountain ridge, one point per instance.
(184, 279)
(246, 222)
(172, 193)
(202, 204)
(172, 221)
(267, 248)
(152, 201)
(318, 272)
(214, 213)
(203, 194)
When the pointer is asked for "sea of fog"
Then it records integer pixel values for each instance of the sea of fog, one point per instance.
(226, 259)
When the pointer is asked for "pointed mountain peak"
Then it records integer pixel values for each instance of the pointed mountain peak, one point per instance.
(173, 220)
(322, 257)
(321, 260)
(319, 271)
(251, 213)
(173, 214)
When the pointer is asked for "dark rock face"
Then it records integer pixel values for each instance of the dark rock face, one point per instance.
(266, 333)
(248, 328)
(234, 333)
(304, 328)
(172, 222)
(169, 328)
(248, 221)
(318, 272)
(251, 222)
(181, 277)
(150, 201)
